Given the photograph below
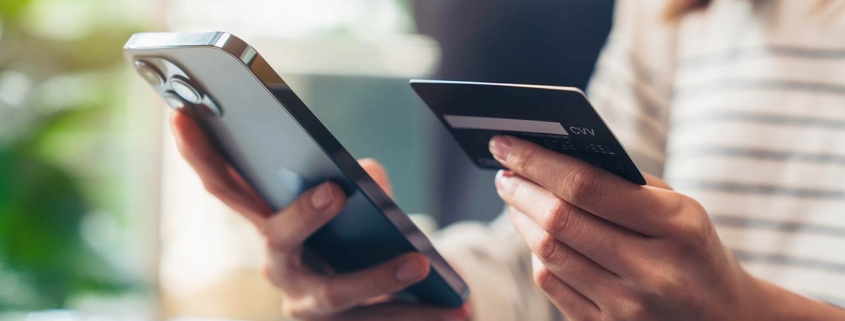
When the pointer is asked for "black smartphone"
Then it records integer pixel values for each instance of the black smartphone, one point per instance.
(280, 147)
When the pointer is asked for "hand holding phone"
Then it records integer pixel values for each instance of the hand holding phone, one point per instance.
(335, 246)
(308, 295)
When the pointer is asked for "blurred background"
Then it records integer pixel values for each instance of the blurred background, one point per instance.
(101, 219)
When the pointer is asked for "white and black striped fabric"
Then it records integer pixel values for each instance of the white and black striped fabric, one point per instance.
(741, 106)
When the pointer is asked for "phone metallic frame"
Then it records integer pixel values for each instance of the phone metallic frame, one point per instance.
(251, 59)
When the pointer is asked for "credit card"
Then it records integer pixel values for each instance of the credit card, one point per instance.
(560, 119)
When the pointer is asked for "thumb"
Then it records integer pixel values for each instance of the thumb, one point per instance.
(378, 173)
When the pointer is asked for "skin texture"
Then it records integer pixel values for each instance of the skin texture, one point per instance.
(604, 248)
(607, 249)
(363, 295)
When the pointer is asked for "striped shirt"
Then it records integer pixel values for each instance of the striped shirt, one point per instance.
(742, 107)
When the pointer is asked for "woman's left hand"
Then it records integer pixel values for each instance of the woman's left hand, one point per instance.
(608, 249)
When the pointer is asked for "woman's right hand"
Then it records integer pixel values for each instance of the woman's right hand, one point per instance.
(362, 295)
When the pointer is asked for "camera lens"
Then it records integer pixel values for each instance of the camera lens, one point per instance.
(185, 90)
(175, 102)
(149, 72)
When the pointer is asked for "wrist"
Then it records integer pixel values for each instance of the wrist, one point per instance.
(774, 303)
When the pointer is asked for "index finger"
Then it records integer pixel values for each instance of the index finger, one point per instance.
(639, 208)
(217, 176)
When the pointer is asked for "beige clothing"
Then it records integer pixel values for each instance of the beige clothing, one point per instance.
(741, 107)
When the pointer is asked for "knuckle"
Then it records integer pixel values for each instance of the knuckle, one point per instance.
(633, 310)
(695, 302)
(667, 287)
(556, 216)
(552, 251)
(215, 187)
(561, 256)
(522, 158)
(677, 203)
(548, 248)
(584, 185)
(698, 241)
(263, 229)
(692, 228)
(562, 221)
(270, 275)
(545, 279)
(650, 302)
(276, 241)
(331, 298)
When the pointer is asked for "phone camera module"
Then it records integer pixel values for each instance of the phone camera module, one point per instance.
(186, 90)
(175, 101)
(149, 72)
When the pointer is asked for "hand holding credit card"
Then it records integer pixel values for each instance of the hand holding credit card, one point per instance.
(560, 119)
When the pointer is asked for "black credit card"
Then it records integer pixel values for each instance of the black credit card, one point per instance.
(560, 119)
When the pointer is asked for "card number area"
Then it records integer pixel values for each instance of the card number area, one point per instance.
(476, 132)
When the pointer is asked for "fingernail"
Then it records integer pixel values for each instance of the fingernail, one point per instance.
(504, 174)
(322, 197)
(502, 180)
(409, 271)
(500, 147)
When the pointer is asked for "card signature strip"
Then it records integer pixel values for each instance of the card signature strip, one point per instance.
(504, 124)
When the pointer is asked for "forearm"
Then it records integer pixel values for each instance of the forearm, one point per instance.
(780, 304)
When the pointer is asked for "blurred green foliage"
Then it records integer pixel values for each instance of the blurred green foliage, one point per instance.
(59, 98)
(10, 9)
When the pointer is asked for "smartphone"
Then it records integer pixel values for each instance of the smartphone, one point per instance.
(281, 149)
(560, 119)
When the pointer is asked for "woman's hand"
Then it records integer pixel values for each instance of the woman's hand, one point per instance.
(608, 249)
(363, 295)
